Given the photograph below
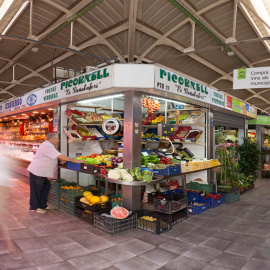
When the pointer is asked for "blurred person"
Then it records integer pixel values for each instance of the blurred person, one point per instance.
(4, 191)
(43, 166)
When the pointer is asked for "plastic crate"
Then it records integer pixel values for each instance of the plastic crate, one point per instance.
(193, 196)
(115, 203)
(176, 217)
(86, 168)
(95, 207)
(214, 203)
(53, 199)
(69, 195)
(160, 171)
(221, 189)
(169, 205)
(232, 197)
(192, 185)
(55, 184)
(205, 187)
(84, 215)
(196, 209)
(152, 195)
(73, 166)
(160, 225)
(67, 207)
(113, 226)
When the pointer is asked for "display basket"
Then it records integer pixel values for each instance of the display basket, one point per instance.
(193, 135)
(232, 197)
(95, 207)
(55, 184)
(216, 202)
(115, 203)
(85, 137)
(197, 209)
(180, 134)
(170, 204)
(163, 223)
(67, 207)
(73, 166)
(221, 189)
(113, 226)
(53, 199)
(86, 168)
(69, 195)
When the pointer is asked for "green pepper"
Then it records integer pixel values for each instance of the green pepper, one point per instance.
(132, 172)
(137, 172)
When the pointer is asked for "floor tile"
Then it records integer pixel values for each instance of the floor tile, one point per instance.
(20, 233)
(159, 256)
(257, 264)
(216, 243)
(154, 239)
(252, 240)
(241, 249)
(262, 253)
(227, 235)
(137, 263)
(56, 239)
(57, 266)
(70, 250)
(212, 267)
(30, 244)
(204, 254)
(137, 246)
(230, 261)
(177, 246)
(192, 238)
(7, 262)
(184, 263)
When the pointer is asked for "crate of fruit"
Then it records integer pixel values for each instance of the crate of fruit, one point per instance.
(170, 204)
(207, 188)
(86, 204)
(55, 183)
(53, 199)
(113, 226)
(73, 166)
(215, 199)
(228, 189)
(152, 195)
(85, 133)
(153, 222)
(232, 197)
(116, 199)
(176, 217)
(86, 168)
(68, 192)
(67, 207)
(193, 195)
(198, 206)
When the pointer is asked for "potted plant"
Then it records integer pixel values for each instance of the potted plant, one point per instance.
(249, 157)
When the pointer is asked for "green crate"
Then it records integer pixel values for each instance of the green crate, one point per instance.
(55, 184)
(232, 197)
(53, 199)
(67, 207)
(207, 188)
(192, 185)
(69, 195)
(119, 195)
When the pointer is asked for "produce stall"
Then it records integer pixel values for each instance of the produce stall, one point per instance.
(134, 132)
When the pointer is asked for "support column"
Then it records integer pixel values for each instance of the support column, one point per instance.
(132, 146)
(210, 145)
(259, 140)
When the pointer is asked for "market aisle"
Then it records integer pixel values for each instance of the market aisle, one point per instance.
(227, 237)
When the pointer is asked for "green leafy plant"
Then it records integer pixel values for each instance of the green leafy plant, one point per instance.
(249, 157)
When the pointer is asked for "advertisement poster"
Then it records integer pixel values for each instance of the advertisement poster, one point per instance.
(228, 102)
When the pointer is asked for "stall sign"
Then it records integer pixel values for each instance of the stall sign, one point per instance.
(252, 112)
(236, 105)
(228, 102)
(85, 83)
(261, 120)
(217, 98)
(174, 83)
(251, 78)
(13, 105)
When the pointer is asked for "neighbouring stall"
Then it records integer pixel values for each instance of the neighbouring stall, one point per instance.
(146, 134)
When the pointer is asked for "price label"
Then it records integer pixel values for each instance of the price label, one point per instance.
(170, 156)
(177, 140)
(145, 154)
(178, 158)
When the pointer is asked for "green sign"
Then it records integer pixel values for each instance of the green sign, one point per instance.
(241, 74)
(261, 120)
(236, 105)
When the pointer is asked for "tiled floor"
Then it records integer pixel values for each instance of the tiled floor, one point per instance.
(228, 237)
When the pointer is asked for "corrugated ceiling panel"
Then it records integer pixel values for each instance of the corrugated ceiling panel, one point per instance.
(145, 42)
(9, 48)
(223, 84)
(257, 101)
(20, 89)
(20, 72)
(200, 4)
(4, 96)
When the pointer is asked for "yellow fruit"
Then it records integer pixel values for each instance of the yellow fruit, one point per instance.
(86, 193)
(104, 198)
(83, 200)
(88, 197)
(94, 199)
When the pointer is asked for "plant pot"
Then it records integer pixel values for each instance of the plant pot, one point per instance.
(242, 189)
(251, 186)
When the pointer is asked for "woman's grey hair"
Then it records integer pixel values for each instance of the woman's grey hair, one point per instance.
(51, 136)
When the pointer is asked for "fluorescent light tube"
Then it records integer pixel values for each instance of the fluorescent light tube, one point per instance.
(101, 98)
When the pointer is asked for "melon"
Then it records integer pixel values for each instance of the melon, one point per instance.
(104, 198)
(86, 193)
(94, 199)
(83, 200)
(88, 197)
(119, 212)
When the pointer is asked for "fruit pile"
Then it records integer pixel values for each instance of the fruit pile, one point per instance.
(103, 171)
(149, 119)
(89, 198)
(166, 161)
(152, 105)
(116, 199)
(71, 187)
(158, 119)
(84, 132)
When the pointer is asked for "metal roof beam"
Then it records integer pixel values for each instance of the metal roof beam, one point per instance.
(131, 29)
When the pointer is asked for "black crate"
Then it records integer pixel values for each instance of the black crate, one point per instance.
(95, 207)
(152, 195)
(169, 206)
(163, 223)
(86, 168)
(221, 189)
(113, 226)
(84, 215)
(175, 218)
(67, 207)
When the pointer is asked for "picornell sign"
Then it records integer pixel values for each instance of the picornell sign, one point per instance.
(169, 81)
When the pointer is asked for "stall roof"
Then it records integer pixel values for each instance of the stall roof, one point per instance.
(73, 34)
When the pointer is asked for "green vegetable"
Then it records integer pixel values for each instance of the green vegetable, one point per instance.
(132, 172)
(137, 172)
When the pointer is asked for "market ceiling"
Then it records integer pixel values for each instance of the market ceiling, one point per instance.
(205, 39)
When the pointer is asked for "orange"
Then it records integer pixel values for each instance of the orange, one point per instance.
(88, 197)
